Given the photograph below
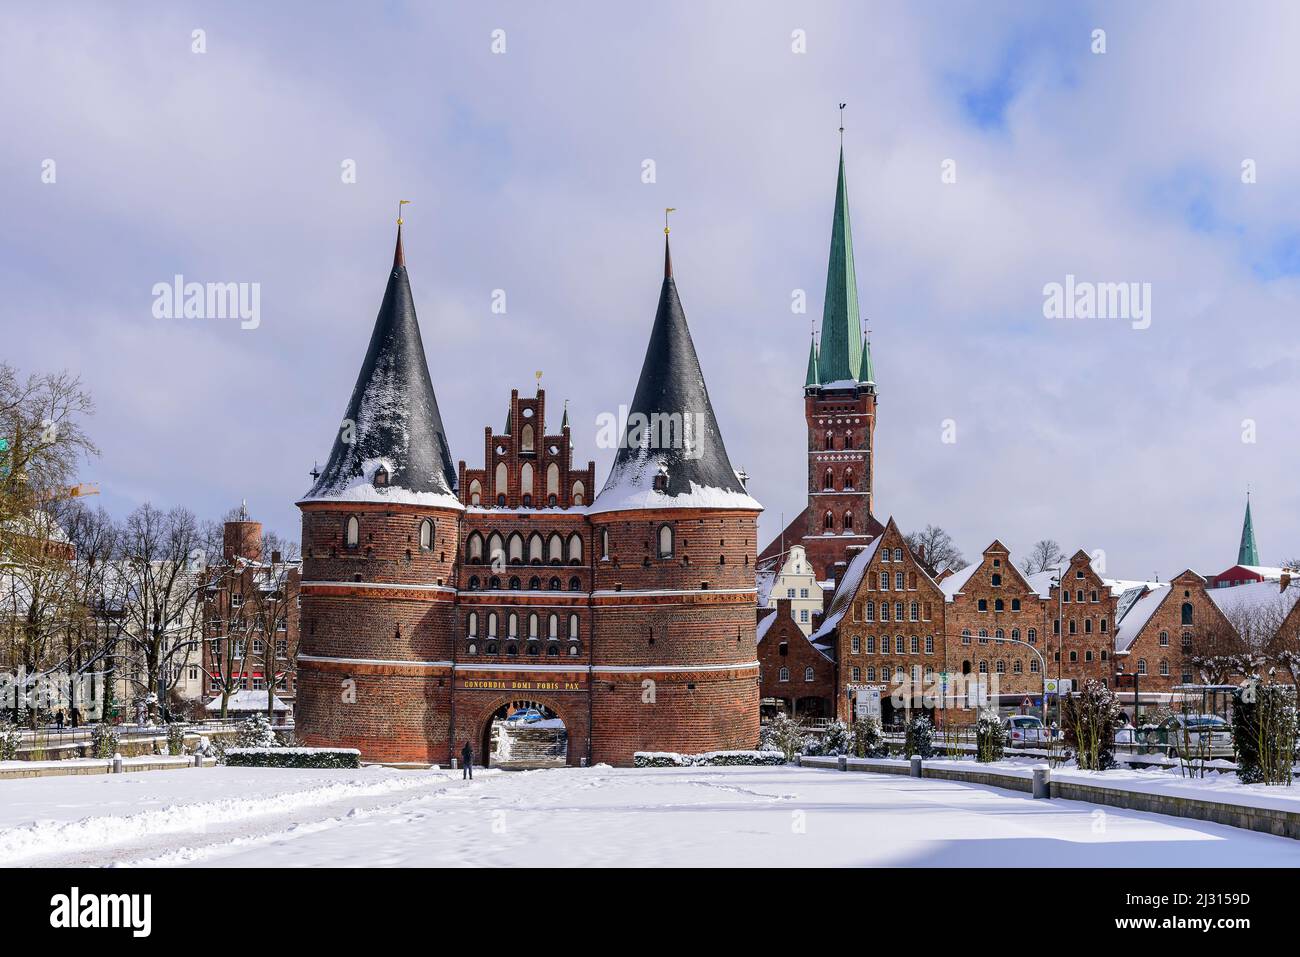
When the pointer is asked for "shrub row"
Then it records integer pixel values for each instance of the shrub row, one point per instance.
(293, 757)
(671, 759)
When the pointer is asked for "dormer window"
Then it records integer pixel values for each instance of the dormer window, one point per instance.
(381, 477)
(661, 480)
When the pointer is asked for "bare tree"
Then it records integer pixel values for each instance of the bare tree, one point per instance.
(935, 547)
(1046, 555)
(163, 564)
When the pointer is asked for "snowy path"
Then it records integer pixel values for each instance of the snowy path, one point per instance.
(588, 817)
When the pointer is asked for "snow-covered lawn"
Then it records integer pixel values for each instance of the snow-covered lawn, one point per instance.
(599, 816)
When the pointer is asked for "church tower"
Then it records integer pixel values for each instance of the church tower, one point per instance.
(840, 413)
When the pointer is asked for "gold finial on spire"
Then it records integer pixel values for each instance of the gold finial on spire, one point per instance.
(400, 204)
(538, 376)
(667, 210)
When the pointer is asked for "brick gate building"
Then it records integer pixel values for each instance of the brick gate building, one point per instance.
(436, 598)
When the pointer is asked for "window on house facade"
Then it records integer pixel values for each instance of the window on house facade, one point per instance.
(783, 674)
(665, 541)
(351, 537)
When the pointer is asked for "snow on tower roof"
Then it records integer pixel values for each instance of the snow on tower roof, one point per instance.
(392, 420)
(672, 454)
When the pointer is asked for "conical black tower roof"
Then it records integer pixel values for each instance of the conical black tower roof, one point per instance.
(392, 419)
(671, 434)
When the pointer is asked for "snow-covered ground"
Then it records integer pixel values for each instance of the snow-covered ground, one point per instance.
(599, 816)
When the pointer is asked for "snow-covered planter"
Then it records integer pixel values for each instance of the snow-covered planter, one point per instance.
(8, 742)
(1090, 718)
(990, 736)
(255, 732)
(919, 739)
(671, 759)
(292, 758)
(103, 741)
(783, 734)
(175, 739)
(837, 739)
(1264, 731)
(868, 738)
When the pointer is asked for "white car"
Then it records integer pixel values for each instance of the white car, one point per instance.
(1027, 729)
(1191, 735)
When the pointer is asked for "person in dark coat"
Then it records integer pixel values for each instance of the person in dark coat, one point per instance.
(58, 719)
(76, 717)
(467, 761)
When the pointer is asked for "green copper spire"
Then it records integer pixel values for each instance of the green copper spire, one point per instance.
(841, 351)
(868, 375)
(810, 379)
(1247, 554)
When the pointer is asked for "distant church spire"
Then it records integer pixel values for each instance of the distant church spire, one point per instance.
(841, 345)
(811, 380)
(1247, 553)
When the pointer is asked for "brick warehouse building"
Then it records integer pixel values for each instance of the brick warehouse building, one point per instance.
(435, 599)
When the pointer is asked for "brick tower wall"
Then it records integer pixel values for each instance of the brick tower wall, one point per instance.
(684, 652)
(377, 632)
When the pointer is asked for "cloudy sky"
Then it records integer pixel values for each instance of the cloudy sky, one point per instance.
(525, 172)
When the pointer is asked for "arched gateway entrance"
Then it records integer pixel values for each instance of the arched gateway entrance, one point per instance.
(522, 734)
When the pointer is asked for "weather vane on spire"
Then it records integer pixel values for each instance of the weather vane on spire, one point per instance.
(400, 204)
(667, 210)
(842, 105)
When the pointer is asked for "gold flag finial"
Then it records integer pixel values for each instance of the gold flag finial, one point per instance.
(667, 210)
(400, 204)
(538, 375)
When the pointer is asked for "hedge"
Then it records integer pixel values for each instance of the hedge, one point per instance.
(293, 758)
(671, 759)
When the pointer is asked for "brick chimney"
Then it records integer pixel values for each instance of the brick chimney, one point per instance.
(783, 607)
(1285, 579)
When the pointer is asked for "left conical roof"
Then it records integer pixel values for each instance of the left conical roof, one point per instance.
(671, 433)
(392, 420)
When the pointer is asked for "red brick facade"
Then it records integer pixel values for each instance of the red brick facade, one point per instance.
(410, 649)
(793, 671)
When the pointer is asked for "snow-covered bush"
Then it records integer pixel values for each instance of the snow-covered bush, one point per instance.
(292, 757)
(1091, 717)
(8, 741)
(175, 739)
(103, 741)
(837, 739)
(919, 738)
(990, 736)
(868, 739)
(255, 732)
(1264, 730)
(783, 734)
(671, 759)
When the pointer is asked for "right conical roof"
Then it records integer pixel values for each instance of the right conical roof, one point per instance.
(671, 437)
(392, 420)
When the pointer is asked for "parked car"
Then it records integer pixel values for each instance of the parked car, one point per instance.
(1027, 729)
(526, 715)
(1191, 734)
